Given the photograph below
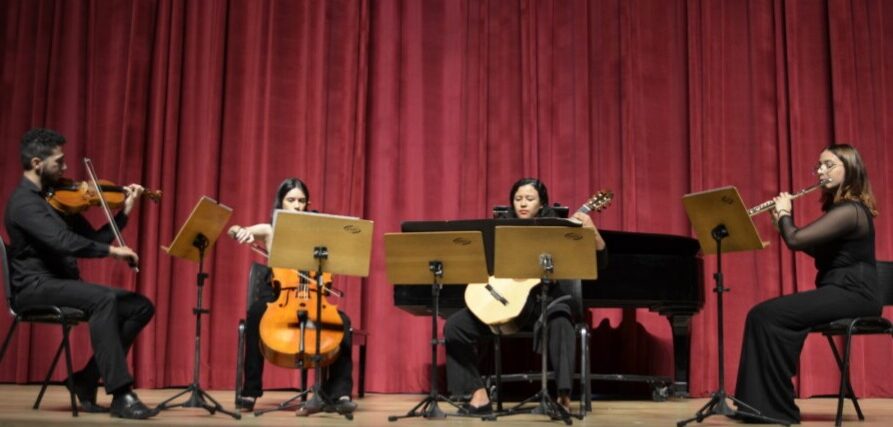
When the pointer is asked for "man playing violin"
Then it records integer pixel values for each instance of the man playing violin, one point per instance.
(45, 245)
(292, 195)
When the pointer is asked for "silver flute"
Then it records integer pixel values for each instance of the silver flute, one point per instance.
(765, 206)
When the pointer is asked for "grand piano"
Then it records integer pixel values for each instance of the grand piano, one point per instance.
(660, 272)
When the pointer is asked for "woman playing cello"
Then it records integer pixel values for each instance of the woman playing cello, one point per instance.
(292, 195)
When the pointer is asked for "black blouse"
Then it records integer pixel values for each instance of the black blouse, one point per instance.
(842, 243)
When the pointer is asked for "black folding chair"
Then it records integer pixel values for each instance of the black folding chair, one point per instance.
(857, 326)
(65, 317)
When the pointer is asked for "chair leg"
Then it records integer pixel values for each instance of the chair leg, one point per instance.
(844, 371)
(46, 380)
(497, 354)
(12, 328)
(585, 387)
(240, 361)
(843, 366)
(849, 387)
(68, 367)
(361, 390)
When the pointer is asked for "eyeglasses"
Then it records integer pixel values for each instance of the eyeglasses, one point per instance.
(825, 166)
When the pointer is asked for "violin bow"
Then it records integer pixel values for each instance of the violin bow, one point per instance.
(88, 164)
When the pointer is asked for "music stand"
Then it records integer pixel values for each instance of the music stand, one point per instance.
(718, 215)
(192, 242)
(441, 258)
(550, 253)
(313, 241)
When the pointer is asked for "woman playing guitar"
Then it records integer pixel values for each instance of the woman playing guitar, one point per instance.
(292, 195)
(529, 199)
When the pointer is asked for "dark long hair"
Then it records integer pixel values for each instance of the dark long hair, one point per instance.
(855, 185)
(545, 210)
(287, 185)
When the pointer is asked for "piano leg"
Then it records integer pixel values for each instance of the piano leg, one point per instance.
(681, 327)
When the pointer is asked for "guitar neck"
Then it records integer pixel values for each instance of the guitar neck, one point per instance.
(597, 202)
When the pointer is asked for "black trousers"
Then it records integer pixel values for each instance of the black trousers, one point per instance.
(773, 338)
(116, 317)
(339, 381)
(463, 331)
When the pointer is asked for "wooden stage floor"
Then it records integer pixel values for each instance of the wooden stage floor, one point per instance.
(15, 410)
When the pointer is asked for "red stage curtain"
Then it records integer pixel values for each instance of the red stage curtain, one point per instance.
(414, 110)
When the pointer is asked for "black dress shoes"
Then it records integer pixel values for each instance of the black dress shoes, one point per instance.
(245, 403)
(127, 405)
(316, 404)
(342, 406)
(86, 394)
(469, 409)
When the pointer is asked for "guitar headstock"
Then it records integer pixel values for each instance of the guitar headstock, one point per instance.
(599, 201)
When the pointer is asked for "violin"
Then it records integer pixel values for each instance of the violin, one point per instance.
(97, 187)
(73, 197)
(288, 328)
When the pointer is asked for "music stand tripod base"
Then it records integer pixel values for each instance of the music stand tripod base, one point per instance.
(722, 224)
(288, 404)
(549, 253)
(545, 404)
(192, 242)
(437, 258)
(336, 244)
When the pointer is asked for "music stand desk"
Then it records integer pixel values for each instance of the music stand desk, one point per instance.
(195, 238)
(296, 236)
(722, 224)
(437, 258)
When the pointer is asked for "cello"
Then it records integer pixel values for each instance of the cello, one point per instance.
(288, 329)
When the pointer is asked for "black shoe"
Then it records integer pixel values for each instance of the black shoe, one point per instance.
(86, 394)
(342, 406)
(314, 405)
(469, 409)
(245, 403)
(127, 405)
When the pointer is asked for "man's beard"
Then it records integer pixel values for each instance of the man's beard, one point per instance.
(48, 179)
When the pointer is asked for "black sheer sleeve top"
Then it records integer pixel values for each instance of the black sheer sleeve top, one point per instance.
(842, 243)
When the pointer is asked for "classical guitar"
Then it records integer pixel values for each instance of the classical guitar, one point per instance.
(499, 302)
